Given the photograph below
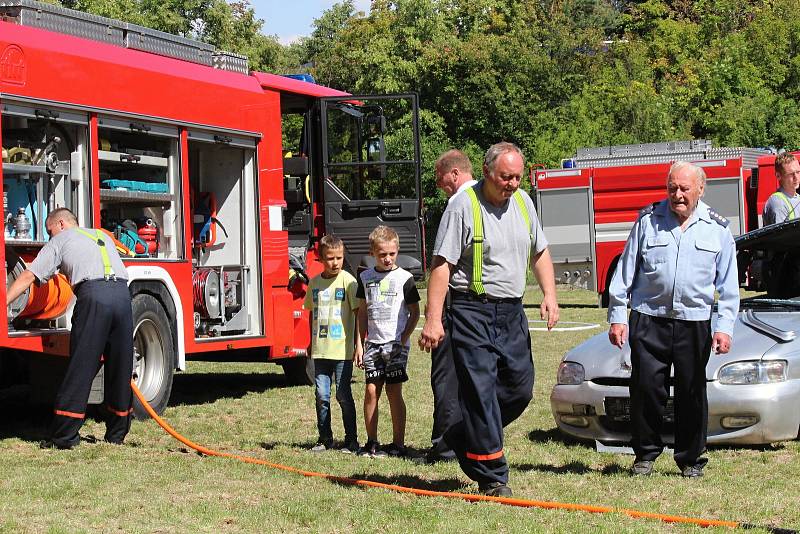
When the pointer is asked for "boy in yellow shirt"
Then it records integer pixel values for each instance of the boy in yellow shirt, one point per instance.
(331, 297)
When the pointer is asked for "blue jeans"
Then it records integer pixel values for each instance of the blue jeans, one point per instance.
(325, 371)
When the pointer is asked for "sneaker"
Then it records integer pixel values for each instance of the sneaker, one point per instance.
(397, 451)
(372, 449)
(692, 471)
(49, 444)
(322, 446)
(642, 467)
(350, 447)
(495, 489)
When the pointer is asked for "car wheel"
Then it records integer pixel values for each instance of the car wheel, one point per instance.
(153, 354)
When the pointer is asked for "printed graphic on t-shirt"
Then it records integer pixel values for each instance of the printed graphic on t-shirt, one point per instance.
(328, 313)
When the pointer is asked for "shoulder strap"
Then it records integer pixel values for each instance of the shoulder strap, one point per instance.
(791, 214)
(647, 210)
(719, 219)
(108, 272)
(476, 285)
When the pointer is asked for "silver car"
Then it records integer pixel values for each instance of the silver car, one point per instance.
(753, 391)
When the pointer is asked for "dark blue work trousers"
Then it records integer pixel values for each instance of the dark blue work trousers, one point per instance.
(102, 326)
(658, 343)
(491, 348)
(444, 384)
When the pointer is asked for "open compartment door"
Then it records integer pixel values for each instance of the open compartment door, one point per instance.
(371, 173)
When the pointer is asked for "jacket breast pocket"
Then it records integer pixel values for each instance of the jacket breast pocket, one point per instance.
(656, 251)
(705, 256)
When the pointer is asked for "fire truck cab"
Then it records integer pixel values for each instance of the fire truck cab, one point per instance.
(215, 182)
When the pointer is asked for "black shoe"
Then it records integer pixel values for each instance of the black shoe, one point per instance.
(350, 447)
(495, 489)
(396, 451)
(50, 444)
(372, 449)
(692, 471)
(642, 467)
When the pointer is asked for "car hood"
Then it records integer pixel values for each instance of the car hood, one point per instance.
(753, 337)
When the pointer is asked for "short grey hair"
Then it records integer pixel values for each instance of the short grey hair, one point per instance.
(497, 150)
(699, 173)
(61, 213)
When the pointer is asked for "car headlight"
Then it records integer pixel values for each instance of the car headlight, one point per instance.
(570, 373)
(755, 372)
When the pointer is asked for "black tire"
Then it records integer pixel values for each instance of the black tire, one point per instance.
(153, 354)
(299, 371)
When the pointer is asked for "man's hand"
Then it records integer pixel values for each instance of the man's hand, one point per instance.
(549, 311)
(721, 343)
(618, 334)
(432, 334)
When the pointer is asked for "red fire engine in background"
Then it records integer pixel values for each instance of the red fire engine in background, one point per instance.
(588, 207)
(215, 181)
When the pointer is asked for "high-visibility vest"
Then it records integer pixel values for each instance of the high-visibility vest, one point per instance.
(108, 272)
(476, 285)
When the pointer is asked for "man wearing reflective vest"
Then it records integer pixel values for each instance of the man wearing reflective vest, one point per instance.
(102, 325)
(486, 239)
(784, 204)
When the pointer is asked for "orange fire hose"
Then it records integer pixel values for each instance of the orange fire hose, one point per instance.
(524, 503)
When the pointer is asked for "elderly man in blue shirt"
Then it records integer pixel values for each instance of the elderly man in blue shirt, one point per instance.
(678, 253)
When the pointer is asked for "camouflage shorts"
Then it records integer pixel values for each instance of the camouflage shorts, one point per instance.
(385, 362)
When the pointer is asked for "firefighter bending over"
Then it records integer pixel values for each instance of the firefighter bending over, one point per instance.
(102, 325)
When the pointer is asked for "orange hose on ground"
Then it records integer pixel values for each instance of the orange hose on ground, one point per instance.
(49, 300)
(524, 503)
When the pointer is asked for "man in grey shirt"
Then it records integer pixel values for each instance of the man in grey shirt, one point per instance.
(102, 325)
(784, 204)
(486, 239)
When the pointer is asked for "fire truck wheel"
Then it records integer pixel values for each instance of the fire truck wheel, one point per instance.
(299, 371)
(153, 354)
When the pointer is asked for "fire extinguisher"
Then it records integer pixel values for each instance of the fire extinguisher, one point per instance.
(149, 233)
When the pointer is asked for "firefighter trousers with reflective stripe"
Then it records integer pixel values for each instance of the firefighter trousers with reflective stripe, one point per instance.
(491, 348)
(102, 327)
(658, 343)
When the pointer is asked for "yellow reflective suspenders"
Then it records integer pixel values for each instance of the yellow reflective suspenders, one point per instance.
(476, 285)
(108, 272)
(791, 215)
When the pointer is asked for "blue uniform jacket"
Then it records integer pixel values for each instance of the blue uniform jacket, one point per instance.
(666, 272)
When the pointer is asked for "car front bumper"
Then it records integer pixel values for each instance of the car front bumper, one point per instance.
(741, 414)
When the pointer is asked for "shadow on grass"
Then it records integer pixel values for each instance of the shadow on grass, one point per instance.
(202, 388)
(407, 481)
(571, 468)
(553, 435)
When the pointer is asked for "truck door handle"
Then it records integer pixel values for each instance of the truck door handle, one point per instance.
(391, 208)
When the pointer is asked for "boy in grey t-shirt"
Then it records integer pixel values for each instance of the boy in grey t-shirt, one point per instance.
(387, 316)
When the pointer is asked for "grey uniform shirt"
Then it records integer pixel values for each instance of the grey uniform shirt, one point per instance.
(507, 242)
(776, 210)
(77, 257)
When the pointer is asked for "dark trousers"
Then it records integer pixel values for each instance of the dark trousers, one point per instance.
(444, 384)
(491, 348)
(657, 344)
(102, 327)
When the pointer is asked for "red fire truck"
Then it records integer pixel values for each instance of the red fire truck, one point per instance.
(588, 207)
(216, 182)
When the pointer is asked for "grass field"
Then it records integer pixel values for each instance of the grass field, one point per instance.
(153, 484)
